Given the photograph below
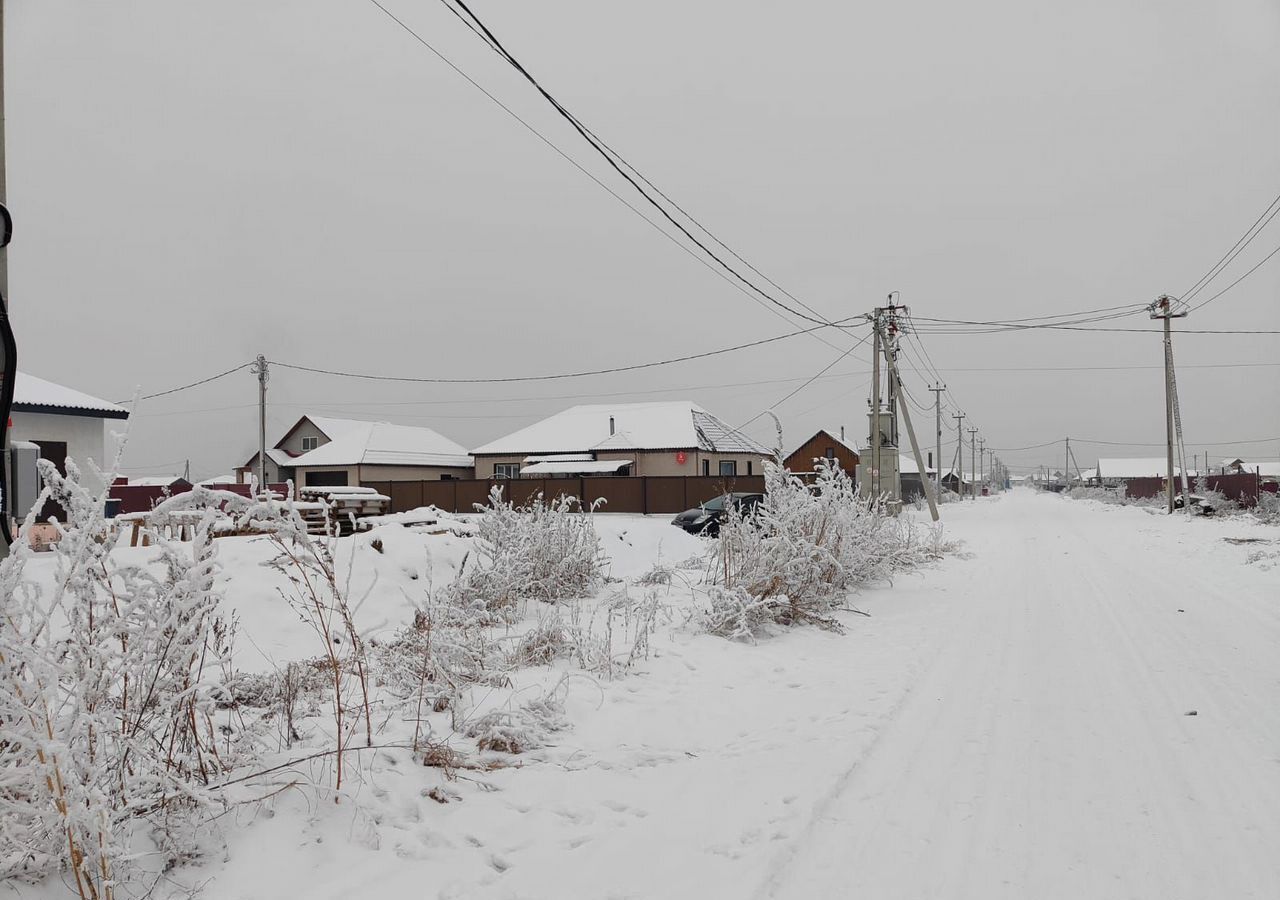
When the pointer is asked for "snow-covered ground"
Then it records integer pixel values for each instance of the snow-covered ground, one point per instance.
(1010, 722)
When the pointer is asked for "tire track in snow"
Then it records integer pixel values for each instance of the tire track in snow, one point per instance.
(785, 858)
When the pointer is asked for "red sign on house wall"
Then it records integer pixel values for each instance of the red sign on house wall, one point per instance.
(681, 457)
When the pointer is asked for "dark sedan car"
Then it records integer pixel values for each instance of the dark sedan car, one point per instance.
(705, 519)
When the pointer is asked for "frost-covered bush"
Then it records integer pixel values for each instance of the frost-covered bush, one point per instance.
(1268, 508)
(547, 550)
(108, 684)
(801, 552)
(1110, 495)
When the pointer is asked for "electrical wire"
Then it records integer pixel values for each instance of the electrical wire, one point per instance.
(186, 387)
(563, 375)
(1256, 267)
(1236, 249)
(609, 157)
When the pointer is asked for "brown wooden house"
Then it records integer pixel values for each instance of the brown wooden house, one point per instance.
(823, 445)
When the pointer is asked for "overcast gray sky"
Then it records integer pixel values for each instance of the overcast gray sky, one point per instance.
(197, 182)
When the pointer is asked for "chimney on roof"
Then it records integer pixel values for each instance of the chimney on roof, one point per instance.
(842, 432)
(611, 426)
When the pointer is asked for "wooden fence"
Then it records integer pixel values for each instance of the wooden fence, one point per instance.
(643, 494)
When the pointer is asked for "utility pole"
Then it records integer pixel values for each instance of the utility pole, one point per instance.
(1066, 465)
(982, 461)
(973, 463)
(959, 417)
(925, 484)
(937, 421)
(1162, 308)
(260, 368)
(875, 408)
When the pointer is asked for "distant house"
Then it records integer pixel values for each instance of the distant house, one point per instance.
(824, 445)
(319, 451)
(663, 438)
(65, 423)
(909, 476)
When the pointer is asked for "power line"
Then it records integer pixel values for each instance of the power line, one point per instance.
(573, 162)
(561, 375)
(1236, 249)
(1000, 327)
(828, 367)
(604, 152)
(192, 384)
(1256, 267)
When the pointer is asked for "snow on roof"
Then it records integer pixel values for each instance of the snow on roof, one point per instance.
(907, 465)
(153, 480)
(1265, 469)
(354, 442)
(835, 435)
(1151, 467)
(32, 394)
(661, 425)
(575, 468)
(560, 457)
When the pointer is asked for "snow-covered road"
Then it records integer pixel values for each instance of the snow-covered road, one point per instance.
(1047, 749)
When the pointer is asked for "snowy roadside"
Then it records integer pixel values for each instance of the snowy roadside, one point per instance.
(692, 766)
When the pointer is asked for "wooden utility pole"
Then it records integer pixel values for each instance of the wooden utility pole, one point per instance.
(937, 424)
(1163, 309)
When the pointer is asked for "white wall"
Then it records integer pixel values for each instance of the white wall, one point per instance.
(85, 437)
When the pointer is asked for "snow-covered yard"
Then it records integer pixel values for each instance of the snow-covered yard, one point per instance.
(1011, 721)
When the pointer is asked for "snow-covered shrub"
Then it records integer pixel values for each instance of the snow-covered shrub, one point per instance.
(323, 601)
(108, 685)
(803, 549)
(1110, 495)
(547, 550)
(516, 731)
(1268, 508)
(543, 644)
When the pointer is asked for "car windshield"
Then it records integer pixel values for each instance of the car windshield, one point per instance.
(717, 504)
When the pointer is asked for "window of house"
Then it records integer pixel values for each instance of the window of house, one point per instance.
(506, 470)
(728, 468)
(310, 443)
(445, 476)
(748, 467)
(706, 467)
(831, 453)
(327, 478)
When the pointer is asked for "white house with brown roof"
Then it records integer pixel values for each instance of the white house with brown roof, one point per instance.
(322, 451)
(64, 422)
(673, 437)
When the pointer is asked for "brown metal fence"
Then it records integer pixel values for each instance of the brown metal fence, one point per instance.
(1242, 488)
(645, 494)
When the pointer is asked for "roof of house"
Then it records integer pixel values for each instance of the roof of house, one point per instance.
(1150, 467)
(834, 435)
(353, 442)
(907, 465)
(1266, 469)
(664, 425)
(32, 394)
